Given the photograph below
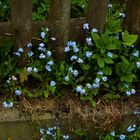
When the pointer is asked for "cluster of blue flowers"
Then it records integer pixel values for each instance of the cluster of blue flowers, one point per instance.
(130, 129)
(30, 69)
(7, 104)
(19, 52)
(51, 132)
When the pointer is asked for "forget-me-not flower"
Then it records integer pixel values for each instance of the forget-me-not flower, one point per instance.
(80, 61)
(88, 54)
(48, 68)
(113, 134)
(122, 15)
(30, 54)
(79, 88)
(50, 62)
(66, 78)
(86, 26)
(73, 57)
(89, 86)
(43, 34)
(110, 54)
(67, 49)
(122, 137)
(35, 69)
(104, 78)
(29, 45)
(52, 83)
(49, 53)
(94, 30)
(136, 53)
(89, 41)
(75, 73)
(18, 92)
(42, 56)
(29, 69)
(138, 64)
(21, 50)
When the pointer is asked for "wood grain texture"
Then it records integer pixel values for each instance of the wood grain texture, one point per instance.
(59, 23)
(21, 20)
(96, 15)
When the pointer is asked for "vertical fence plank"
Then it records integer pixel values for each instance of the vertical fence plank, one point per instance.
(59, 25)
(21, 18)
(96, 15)
(132, 21)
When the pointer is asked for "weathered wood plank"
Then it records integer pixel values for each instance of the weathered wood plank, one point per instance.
(132, 21)
(96, 15)
(60, 12)
(76, 31)
(21, 19)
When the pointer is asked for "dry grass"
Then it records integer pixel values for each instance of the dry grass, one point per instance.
(105, 115)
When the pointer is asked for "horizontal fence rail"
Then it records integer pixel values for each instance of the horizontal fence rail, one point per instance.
(23, 29)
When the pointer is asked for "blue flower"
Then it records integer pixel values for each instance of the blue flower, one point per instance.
(30, 54)
(10, 104)
(79, 88)
(70, 69)
(109, 54)
(48, 68)
(29, 69)
(42, 49)
(128, 93)
(100, 73)
(122, 15)
(75, 49)
(67, 49)
(41, 44)
(122, 137)
(89, 86)
(136, 53)
(86, 26)
(21, 50)
(113, 134)
(29, 45)
(43, 34)
(97, 80)
(73, 57)
(96, 85)
(88, 54)
(94, 30)
(83, 91)
(71, 43)
(75, 73)
(42, 56)
(66, 78)
(18, 92)
(52, 83)
(17, 54)
(89, 41)
(41, 131)
(80, 61)
(133, 91)
(65, 137)
(50, 63)
(49, 53)
(138, 64)
(35, 69)
(5, 104)
(104, 78)
(116, 36)
(131, 128)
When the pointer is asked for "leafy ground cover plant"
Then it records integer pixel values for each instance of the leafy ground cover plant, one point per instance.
(107, 64)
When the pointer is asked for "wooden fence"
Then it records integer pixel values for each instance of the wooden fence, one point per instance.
(23, 29)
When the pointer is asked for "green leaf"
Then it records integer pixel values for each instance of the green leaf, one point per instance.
(124, 59)
(111, 96)
(46, 94)
(111, 47)
(107, 70)
(128, 78)
(129, 39)
(36, 75)
(95, 56)
(100, 62)
(96, 39)
(108, 60)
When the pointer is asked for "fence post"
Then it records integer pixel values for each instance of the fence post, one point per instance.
(97, 12)
(59, 25)
(132, 21)
(21, 18)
